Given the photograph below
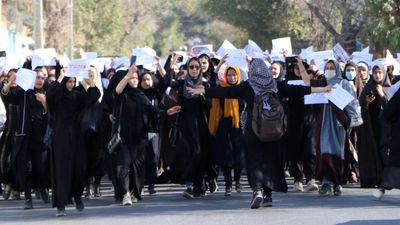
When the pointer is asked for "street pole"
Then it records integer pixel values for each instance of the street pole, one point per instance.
(38, 23)
(71, 29)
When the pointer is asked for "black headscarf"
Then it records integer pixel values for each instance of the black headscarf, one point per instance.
(352, 64)
(371, 85)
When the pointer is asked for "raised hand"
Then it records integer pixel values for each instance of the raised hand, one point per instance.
(173, 110)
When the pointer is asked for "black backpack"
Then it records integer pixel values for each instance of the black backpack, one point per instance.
(269, 118)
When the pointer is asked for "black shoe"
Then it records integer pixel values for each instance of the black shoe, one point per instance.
(325, 190)
(44, 195)
(213, 186)
(337, 190)
(79, 204)
(151, 189)
(267, 201)
(28, 204)
(188, 193)
(257, 199)
(228, 191)
(238, 187)
(61, 211)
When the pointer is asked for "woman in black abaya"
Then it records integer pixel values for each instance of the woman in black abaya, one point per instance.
(67, 163)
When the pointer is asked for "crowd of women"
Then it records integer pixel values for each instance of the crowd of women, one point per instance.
(184, 124)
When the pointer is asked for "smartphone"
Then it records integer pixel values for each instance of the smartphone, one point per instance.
(133, 60)
(179, 59)
(291, 60)
(371, 93)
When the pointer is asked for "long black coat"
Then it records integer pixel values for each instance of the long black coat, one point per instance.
(67, 163)
(29, 131)
(264, 161)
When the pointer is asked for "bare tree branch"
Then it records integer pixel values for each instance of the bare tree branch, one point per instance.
(326, 24)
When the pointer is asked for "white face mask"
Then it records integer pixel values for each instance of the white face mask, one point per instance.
(329, 74)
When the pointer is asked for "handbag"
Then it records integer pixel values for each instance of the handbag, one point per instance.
(116, 140)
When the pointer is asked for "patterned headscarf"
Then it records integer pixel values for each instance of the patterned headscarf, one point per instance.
(260, 78)
(192, 82)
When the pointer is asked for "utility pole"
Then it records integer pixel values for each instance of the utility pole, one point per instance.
(38, 23)
(71, 29)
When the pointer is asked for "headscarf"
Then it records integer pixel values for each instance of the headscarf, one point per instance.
(338, 76)
(191, 81)
(260, 78)
(152, 91)
(352, 64)
(231, 106)
(365, 66)
(371, 85)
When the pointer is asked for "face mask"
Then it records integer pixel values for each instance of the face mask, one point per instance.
(350, 75)
(329, 74)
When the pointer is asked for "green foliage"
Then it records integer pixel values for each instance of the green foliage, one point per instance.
(263, 20)
(98, 25)
(383, 16)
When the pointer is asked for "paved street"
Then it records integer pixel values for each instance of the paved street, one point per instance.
(167, 207)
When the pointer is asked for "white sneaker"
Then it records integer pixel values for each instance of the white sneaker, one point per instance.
(127, 199)
(378, 194)
(298, 187)
(311, 186)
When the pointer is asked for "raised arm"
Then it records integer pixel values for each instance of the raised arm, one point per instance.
(122, 84)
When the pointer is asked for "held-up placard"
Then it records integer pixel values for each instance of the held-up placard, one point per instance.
(340, 53)
(339, 96)
(26, 79)
(78, 68)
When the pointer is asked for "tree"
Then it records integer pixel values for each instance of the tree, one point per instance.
(348, 12)
(98, 26)
(262, 19)
(384, 17)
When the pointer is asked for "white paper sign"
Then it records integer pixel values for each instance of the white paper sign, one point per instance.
(398, 57)
(340, 53)
(144, 55)
(315, 98)
(90, 55)
(202, 49)
(254, 51)
(44, 57)
(339, 96)
(297, 82)
(390, 91)
(364, 55)
(282, 44)
(307, 54)
(225, 48)
(121, 62)
(105, 82)
(237, 58)
(3, 58)
(389, 58)
(78, 68)
(321, 57)
(26, 79)
(13, 62)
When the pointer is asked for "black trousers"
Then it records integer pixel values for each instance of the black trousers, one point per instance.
(130, 168)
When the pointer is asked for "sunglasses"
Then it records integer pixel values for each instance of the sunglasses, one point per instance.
(194, 67)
